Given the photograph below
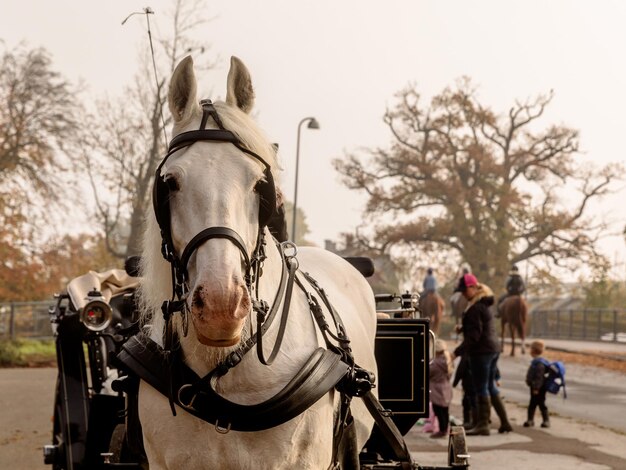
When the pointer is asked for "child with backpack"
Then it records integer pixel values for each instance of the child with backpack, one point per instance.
(536, 380)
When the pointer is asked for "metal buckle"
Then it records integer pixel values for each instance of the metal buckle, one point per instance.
(221, 429)
(187, 406)
(289, 245)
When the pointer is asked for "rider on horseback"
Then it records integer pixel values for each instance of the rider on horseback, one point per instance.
(515, 283)
(430, 283)
(514, 286)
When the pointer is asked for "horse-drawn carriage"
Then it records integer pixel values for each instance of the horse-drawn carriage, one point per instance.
(95, 423)
(186, 389)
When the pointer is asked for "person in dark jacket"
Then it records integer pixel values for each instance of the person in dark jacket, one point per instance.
(481, 345)
(462, 375)
(514, 286)
(535, 379)
(515, 283)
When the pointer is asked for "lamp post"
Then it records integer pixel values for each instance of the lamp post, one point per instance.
(313, 124)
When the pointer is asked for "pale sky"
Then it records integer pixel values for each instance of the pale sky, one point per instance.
(342, 61)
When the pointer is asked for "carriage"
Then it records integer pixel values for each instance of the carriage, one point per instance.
(95, 423)
(186, 389)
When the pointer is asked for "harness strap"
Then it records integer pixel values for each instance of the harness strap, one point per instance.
(283, 319)
(388, 428)
(341, 337)
(322, 371)
(342, 421)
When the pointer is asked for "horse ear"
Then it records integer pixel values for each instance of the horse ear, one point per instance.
(182, 93)
(239, 91)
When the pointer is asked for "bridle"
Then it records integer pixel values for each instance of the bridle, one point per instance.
(326, 368)
(160, 200)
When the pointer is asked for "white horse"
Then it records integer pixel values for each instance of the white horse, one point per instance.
(213, 184)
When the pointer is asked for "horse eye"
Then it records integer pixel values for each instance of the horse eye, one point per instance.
(172, 183)
(258, 186)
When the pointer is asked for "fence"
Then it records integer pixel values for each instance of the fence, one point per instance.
(580, 324)
(25, 320)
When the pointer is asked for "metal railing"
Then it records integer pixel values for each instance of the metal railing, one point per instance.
(589, 324)
(25, 320)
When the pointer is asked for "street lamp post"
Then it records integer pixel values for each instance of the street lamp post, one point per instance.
(313, 124)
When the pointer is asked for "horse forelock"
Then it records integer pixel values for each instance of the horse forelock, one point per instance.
(249, 133)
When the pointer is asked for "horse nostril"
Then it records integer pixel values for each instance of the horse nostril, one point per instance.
(197, 300)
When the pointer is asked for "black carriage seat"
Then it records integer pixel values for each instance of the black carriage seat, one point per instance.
(132, 266)
(363, 264)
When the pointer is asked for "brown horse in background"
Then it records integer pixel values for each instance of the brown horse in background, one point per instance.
(432, 306)
(514, 312)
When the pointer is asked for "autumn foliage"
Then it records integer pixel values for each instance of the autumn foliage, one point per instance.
(459, 177)
(38, 275)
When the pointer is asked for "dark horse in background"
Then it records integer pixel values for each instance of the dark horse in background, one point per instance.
(458, 304)
(514, 312)
(432, 307)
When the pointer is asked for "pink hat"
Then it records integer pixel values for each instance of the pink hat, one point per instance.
(470, 280)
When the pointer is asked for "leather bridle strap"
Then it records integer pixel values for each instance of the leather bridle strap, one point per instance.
(214, 232)
(185, 139)
(283, 319)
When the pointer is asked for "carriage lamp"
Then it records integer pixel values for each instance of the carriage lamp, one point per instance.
(96, 315)
(409, 300)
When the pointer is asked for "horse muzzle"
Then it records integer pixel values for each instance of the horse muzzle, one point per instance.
(219, 311)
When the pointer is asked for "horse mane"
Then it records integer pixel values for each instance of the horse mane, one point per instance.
(156, 281)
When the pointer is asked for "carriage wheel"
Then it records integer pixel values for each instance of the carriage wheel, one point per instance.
(458, 457)
(120, 452)
(58, 459)
(117, 443)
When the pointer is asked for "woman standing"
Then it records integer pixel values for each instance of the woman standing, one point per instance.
(480, 343)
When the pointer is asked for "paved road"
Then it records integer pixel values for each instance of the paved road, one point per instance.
(588, 431)
(593, 394)
(26, 397)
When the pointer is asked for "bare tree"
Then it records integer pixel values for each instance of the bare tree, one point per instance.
(125, 141)
(37, 121)
(480, 184)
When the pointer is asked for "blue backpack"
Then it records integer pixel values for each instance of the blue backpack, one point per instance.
(554, 376)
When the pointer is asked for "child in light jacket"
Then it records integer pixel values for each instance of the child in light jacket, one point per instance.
(441, 387)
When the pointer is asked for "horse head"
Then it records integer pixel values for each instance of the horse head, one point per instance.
(211, 192)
